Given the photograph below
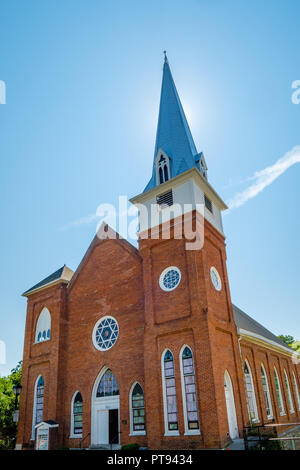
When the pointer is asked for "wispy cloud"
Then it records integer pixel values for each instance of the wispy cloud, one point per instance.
(264, 178)
(82, 221)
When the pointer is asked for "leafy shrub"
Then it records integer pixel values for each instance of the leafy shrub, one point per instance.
(133, 447)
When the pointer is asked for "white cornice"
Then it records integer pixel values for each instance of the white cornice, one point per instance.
(249, 335)
(192, 173)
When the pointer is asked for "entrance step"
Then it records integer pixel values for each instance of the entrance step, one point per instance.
(105, 447)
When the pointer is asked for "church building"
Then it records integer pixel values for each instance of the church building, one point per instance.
(144, 345)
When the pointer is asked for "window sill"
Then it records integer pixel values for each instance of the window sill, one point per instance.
(270, 417)
(171, 433)
(75, 436)
(283, 413)
(138, 433)
(195, 432)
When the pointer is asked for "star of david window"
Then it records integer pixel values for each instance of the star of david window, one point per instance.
(170, 278)
(105, 333)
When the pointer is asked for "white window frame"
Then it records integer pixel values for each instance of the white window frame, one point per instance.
(168, 432)
(216, 273)
(34, 407)
(256, 418)
(288, 391)
(72, 435)
(187, 431)
(270, 415)
(282, 412)
(162, 276)
(43, 324)
(132, 432)
(95, 330)
(296, 389)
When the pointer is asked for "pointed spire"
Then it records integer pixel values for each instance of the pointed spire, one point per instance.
(173, 134)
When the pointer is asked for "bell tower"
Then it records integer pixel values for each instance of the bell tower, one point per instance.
(188, 310)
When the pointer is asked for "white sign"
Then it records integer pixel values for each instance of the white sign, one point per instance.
(42, 438)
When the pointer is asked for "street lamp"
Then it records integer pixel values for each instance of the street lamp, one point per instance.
(17, 390)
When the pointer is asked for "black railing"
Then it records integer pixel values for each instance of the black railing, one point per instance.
(80, 445)
(262, 434)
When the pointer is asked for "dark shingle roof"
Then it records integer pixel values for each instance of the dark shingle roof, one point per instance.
(245, 322)
(64, 273)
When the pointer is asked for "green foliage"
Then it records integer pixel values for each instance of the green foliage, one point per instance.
(8, 428)
(133, 447)
(296, 345)
(287, 339)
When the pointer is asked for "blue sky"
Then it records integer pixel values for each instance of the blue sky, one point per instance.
(78, 128)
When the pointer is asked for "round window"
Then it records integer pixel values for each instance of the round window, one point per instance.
(105, 333)
(170, 278)
(215, 278)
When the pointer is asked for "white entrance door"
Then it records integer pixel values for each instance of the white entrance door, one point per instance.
(105, 410)
(231, 413)
(102, 431)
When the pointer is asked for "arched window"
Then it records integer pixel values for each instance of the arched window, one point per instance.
(169, 394)
(38, 403)
(162, 168)
(108, 385)
(265, 386)
(253, 415)
(296, 390)
(278, 392)
(189, 395)
(137, 410)
(76, 415)
(43, 326)
(288, 391)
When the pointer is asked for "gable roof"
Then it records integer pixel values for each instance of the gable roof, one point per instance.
(63, 274)
(245, 322)
(173, 134)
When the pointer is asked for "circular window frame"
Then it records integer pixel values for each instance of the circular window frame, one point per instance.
(161, 278)
(97, 346)
(216, 273)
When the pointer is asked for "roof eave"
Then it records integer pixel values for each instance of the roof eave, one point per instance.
(45, 286)
(192, 172)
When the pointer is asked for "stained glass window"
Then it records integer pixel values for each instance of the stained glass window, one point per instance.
(296, 390)
(265, 387)
(108, 385)
(250, 393)
(43, 326)
(39, 401)
(77, 414)
(170, 278)
(170, 392)
(278, 392)
(288, 391)
(138, 408)
(190, 389)
(106, 333)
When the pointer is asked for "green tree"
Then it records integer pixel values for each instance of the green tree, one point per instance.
(287, 339)
(8, 429)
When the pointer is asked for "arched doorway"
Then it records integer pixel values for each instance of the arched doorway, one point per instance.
(230, 406)
(105, 409)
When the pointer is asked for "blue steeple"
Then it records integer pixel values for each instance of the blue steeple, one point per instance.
(173, 134)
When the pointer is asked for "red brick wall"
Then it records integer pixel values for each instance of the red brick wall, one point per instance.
(115, 279)
(257, 355)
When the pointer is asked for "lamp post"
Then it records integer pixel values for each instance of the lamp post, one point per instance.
(17, 390)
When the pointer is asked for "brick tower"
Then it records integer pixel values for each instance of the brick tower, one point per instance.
(188, 310)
